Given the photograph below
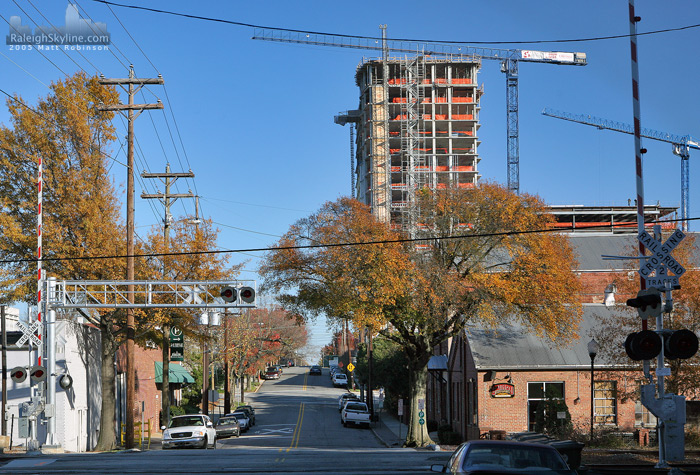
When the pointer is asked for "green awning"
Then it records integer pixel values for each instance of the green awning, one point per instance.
(177, 373)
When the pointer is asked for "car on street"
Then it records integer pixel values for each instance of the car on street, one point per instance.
(194, 430)
(227, 426)
(272, 373)
(344, 398)
(251, 412)
(504, 457)
(340, 380)
(315, 370)
(355, 413)
(243, 419)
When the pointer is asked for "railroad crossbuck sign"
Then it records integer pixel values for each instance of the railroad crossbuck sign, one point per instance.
(661, 260)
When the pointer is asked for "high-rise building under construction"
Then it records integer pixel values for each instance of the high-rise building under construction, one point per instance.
(417, 125)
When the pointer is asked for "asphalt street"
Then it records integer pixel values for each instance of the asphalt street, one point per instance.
(297, 430)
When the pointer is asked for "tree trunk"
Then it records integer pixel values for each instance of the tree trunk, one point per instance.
(242, 389)
(417, 435)
(108, 437)
(165, 387)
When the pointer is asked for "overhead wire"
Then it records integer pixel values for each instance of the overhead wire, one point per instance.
(414, 40)
(332, 245)
(170, 107)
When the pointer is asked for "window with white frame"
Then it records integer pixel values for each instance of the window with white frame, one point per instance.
(605, 403)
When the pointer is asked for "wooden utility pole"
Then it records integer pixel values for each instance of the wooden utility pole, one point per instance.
(167, 199)
(133, 85)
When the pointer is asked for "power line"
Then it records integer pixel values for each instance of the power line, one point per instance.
(318, 246)
(292, 30)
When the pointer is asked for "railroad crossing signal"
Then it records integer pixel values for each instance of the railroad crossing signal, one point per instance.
(29, 333)
(661, 260)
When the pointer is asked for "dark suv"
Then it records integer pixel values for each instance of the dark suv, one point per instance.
(315, 370)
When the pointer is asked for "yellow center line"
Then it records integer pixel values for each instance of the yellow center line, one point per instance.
(297, 429)
(306, 377)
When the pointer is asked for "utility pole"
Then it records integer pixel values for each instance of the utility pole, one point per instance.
(133, 85)
(166, 198)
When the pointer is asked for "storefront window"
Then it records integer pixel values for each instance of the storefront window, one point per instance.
(538, 392)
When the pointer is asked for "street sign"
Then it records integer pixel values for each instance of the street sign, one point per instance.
(400, 408)
(177, 344)
(421, 404)
(351, 367)
(340, 364)
(661, 260)
(29, 333)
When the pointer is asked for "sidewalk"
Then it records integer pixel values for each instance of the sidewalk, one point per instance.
(389, 430)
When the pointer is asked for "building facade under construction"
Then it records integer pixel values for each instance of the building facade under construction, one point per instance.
(417, 126)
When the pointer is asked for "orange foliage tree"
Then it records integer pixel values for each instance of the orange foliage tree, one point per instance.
(482, 256)
(185, 257)
(81, 219)
(257, 337)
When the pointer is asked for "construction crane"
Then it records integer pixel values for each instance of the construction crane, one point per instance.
(681, 145)
(509, 59)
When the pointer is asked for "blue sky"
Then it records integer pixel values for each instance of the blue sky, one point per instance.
(256, 118)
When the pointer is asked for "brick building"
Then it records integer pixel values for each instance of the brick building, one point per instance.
(494, 379)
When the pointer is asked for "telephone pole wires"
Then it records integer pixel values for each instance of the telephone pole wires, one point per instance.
(167, 199)
(131, 85)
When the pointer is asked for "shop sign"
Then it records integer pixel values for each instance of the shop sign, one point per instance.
(502, 390)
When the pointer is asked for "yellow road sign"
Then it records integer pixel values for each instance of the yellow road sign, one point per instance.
(351, 367)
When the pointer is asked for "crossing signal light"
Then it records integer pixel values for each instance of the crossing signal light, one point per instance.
(643, 345)
(229, 294)
(65, 381)
(681, 344)
(247, 294)
(18, 374)
(647, 303)
(37, 374)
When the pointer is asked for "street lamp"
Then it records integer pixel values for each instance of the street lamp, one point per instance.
(593, 348)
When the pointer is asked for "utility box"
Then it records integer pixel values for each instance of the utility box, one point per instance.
(23, 427)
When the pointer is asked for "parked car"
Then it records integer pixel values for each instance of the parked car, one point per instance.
(243, 419)
(195, 430)
(504, 457)
(315, 370)
(251, 412)
(227, 426)
(355, 413)
(344, 398)
(340, 380)
(272, 373)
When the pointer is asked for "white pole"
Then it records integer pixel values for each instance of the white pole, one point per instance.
(51, 365)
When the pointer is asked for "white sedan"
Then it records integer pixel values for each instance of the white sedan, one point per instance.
(194, 430)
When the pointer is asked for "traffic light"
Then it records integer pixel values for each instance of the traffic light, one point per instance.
(647, 303)
(18, 374)
(37, 374)
(247, 294)
(680, 344)
(229, 294)
(643, 345)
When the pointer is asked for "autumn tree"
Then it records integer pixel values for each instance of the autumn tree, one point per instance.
(483, 256)
(258, 336)
(185, 256)
(81, 217)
